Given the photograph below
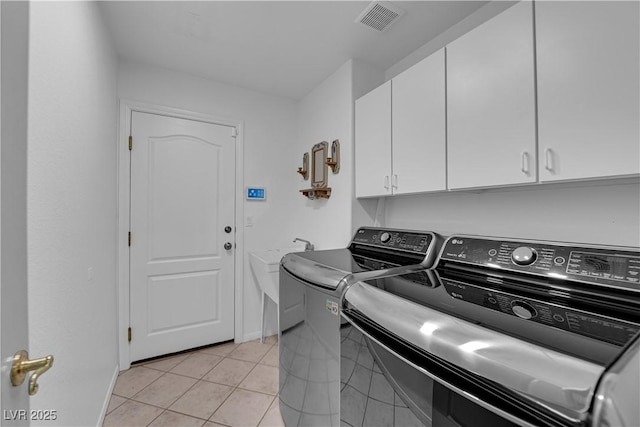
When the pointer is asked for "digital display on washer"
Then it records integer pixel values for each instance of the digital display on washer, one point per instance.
(612, 267)
(413, 241)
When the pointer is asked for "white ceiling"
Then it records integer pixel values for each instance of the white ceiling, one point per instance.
(285, 48)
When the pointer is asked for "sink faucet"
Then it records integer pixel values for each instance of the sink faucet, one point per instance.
(308, 246)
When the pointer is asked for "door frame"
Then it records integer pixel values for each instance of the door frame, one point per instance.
(126, 108)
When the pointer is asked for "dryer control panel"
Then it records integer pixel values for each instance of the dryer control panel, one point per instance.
(610, 266)
(398, 240)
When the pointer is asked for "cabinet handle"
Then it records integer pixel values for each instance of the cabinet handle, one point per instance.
(548, 159)
(525, 163)
(386, 182)
(394, 182)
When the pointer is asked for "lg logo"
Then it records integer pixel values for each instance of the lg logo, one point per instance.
(457, 242)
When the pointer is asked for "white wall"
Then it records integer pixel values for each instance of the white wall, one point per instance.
(269, 132)
(13, 213)
(365, 212)
(325, 114)
(71, 214)
(481, 15)
(599, 213)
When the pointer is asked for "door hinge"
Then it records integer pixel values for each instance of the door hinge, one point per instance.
(234, 132)
(129, 238)
(130, 142)
(129, 334)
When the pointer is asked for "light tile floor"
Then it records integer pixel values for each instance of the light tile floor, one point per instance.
(222, 385)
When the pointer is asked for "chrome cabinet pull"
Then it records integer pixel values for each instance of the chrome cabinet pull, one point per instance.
(394, 182)
(386, 182)
(525, 163)
(548, 160)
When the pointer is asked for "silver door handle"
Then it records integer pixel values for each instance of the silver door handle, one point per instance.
(394, 181)
(386, 182)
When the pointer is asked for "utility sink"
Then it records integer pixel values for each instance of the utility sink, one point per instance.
(269, 260)
(265, 266)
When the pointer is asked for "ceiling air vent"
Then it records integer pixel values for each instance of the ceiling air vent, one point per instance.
(379, 16)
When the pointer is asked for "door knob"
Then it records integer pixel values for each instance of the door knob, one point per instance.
(228, 229)
(21, 365)
(228, 246)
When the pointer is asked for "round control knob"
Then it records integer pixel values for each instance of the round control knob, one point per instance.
(384, 237)
(228, 246)
(523, 310)
(524, 256)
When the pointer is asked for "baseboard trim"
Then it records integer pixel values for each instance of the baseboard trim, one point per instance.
(249, 337)
(105, 405)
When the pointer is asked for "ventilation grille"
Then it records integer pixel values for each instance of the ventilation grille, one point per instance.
(379, 16)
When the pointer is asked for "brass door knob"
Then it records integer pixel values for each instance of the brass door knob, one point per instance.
(22, 365)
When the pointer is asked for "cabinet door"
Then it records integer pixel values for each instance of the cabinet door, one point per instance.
(373, 143)
(418, 127)
(491, 103)
(588, 89)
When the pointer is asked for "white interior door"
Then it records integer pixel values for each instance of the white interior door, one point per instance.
(13, 206)
(182, 198)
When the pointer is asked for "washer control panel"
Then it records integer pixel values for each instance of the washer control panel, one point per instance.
(524, 255)
(411, 241)
(580, 322)
(606, 266)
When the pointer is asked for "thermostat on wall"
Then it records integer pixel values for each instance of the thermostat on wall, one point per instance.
(256, 193)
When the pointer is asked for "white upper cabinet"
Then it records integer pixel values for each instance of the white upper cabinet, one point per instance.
(491, 103)
(588, 89)
(401, 133)
(373, 143)
(418, 127)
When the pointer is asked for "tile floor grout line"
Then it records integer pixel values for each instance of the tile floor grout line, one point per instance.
(139, 391)
(204, 420)
(234, 388)
(132, 398)
(214, 411)
(196, 383)
(238, 387)
(248, 389)
(178, 398)
(148, 424)
(265, 413)
(220, 406)
(165, 373)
